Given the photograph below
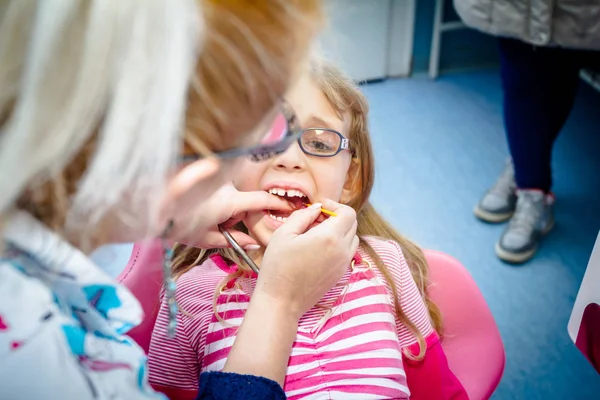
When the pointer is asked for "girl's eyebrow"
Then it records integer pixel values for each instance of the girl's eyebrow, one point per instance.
(320, 121)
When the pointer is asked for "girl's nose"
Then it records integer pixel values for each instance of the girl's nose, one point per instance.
(293, 159)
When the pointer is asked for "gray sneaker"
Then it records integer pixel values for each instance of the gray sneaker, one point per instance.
(532, 219)
(499, 202)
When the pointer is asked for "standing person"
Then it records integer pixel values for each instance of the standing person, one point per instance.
(120, 121)
(543, 45)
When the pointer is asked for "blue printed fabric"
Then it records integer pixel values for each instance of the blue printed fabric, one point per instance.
(62, 322)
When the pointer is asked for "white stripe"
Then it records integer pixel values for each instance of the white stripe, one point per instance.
(379, 382)
(319, 396)
(216, 366)
(304, 351)
(229, 323)
(390, 353)
(233, 305)
(351, 342)
(219, 344)
(356, 321)
(294, 369)
(369, 300)
(374, 371)
(321, 391)
(358, 285)
(303, 339)
(335, 394)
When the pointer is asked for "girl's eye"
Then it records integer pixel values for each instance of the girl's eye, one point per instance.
(320, 142)
(319, 145)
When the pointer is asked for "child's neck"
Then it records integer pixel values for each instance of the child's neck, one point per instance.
(257, 255)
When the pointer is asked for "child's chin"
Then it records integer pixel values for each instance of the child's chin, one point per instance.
(264, 239)
(261, 234)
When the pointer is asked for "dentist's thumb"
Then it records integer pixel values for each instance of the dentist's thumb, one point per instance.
(300, 220)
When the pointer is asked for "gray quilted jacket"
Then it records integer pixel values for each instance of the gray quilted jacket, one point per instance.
(565, 23)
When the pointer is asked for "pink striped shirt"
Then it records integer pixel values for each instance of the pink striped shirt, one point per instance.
(348, 346)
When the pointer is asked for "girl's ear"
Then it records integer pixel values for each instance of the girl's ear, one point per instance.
(353, 185)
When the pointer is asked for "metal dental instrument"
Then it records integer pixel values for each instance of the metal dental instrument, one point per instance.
(238, 249)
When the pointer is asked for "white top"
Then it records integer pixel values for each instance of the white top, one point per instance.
(62, 322)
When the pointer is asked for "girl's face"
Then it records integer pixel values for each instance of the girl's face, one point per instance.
(295, 174)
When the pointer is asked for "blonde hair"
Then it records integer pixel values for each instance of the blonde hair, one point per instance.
(345, 97)
(97, 98)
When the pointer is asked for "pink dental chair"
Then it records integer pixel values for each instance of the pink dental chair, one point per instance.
(472, 341)
(145, 283)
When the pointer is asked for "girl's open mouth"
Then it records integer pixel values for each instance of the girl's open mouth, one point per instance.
(295, 198)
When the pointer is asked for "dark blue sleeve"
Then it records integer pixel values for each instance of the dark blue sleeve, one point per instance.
(222, 386)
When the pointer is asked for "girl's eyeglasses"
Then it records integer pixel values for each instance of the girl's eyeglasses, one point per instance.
(283, 131)
(322, 142)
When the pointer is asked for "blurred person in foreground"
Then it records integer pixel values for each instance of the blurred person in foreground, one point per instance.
(543, 45)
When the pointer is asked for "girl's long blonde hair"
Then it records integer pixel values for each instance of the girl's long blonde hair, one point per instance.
(345, 97)
(97, 98)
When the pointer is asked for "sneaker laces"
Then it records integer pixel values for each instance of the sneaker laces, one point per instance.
(505, 184)
(528, 212)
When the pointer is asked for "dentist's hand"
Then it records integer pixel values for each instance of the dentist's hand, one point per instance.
(303, 261)
(226, 206)
(300, 264)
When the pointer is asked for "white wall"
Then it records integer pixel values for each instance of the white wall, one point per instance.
(370, 39)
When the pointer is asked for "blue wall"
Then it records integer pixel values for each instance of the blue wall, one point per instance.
(461, 49)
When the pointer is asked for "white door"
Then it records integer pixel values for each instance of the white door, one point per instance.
(370, 39)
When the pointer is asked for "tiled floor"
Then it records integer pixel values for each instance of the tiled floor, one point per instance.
(438, 146)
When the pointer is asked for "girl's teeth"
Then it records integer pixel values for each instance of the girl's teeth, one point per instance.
(289, 193)
(277, 218)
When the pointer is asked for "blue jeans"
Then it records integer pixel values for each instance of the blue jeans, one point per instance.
(539, 84)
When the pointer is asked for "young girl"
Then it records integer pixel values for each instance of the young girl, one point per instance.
(375, 334)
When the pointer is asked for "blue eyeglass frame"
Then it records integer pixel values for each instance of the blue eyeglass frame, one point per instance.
(344, 143)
